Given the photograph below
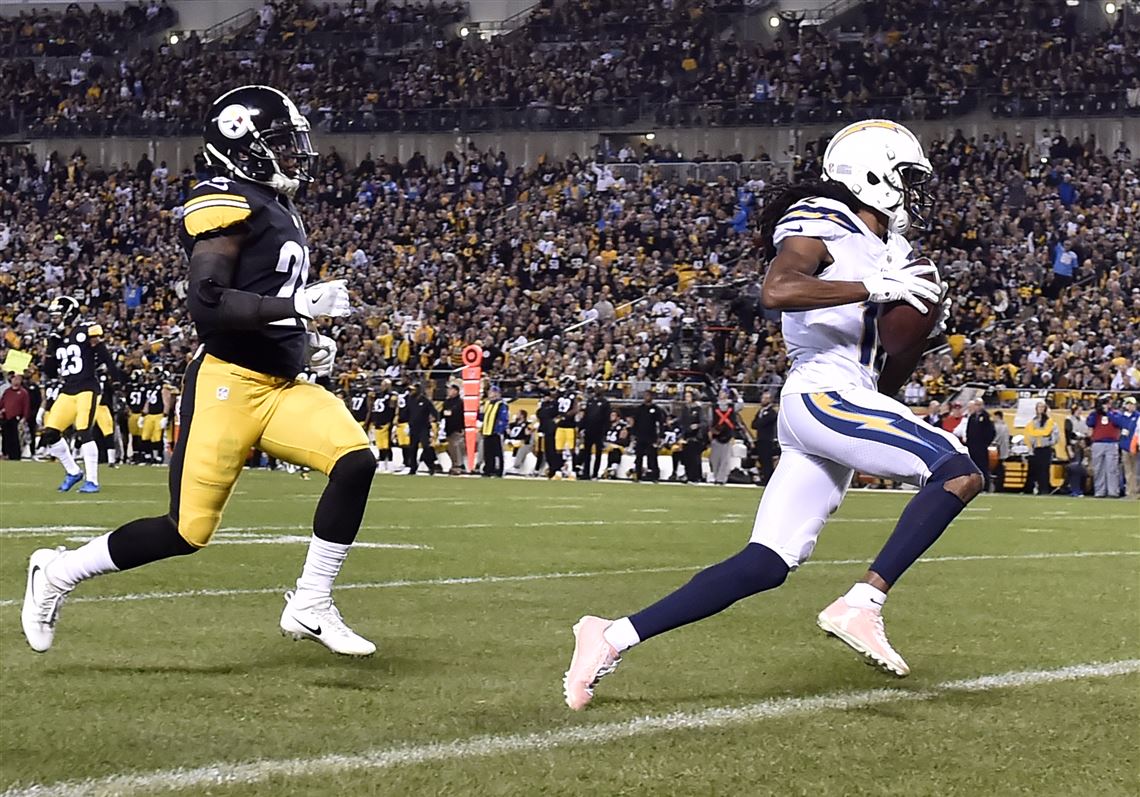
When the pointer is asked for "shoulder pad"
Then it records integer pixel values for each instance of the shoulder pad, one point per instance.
(817, 217)
(94, 330)
(214, 205)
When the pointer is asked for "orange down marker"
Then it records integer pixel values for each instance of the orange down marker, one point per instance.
(472, 381)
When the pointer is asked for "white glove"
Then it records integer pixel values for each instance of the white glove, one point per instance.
(322, 299)
(322, 352)
(944, 308)
(904, 284)
(164, 422)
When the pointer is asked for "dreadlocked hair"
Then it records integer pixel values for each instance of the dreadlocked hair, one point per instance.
(777, 200)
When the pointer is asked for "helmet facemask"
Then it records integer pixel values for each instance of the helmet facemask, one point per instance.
(911, 181)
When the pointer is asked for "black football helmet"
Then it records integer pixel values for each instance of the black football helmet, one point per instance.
(64, 311)
(251, 130)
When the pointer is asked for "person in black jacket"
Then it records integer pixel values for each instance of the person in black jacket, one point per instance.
(694, 433)
(421, 413)
(648, 420)
(595, 424)
(764, 425)
(547, 415)
(454, 429)
(979, 435)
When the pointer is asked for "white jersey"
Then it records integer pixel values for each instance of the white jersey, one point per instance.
(834, 348)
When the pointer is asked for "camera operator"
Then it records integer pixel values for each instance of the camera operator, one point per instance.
(1106, 423)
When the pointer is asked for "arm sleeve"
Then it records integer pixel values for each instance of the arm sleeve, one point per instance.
(1091, 420)
(215, 305)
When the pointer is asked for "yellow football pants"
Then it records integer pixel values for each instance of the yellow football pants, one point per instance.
(72, 409)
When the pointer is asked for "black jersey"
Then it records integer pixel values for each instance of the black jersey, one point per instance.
(567, 410)
(517, 430)
(617, 435)
(51, 393)
(358, 405)
(152, 398)
(136, 397)
(383, 409)
(402, 407)
(75, 356)
(274, 261)
(107, 393)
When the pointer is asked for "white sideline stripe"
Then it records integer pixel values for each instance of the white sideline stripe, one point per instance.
(723, 520)
(224, 774)
(288, 539)
(466, 580)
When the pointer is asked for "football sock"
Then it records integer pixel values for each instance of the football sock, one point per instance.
(622, 635)
(923, 520)
(71, 567)
(90, 452)
(865, 596)
(146, 540)
(755, 569)
(342, 504)
(62, 451)
(322, 564)
(112, 455)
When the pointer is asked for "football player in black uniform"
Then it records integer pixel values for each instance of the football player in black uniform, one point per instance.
(358, 401)
(105, 420)
(156, 390)
(136, 403)
(247, 296)
(383, 413)
(566, 431)
(75, 350)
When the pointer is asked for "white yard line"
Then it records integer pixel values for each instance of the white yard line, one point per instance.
(469, 580)
(223, 774)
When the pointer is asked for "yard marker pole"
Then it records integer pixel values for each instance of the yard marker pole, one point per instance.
(472, 381)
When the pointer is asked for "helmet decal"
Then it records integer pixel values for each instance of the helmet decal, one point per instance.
(234, 121)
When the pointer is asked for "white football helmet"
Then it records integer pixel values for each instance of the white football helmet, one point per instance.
(883, 165)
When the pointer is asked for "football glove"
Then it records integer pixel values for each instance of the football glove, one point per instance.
(906, 284)
(322, 352)
(162, 424)
(323, 299)
(944, 308)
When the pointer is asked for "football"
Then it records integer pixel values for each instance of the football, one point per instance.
(901, 327)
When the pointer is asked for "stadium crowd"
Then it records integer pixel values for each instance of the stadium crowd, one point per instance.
(566, 269)
(594, 62)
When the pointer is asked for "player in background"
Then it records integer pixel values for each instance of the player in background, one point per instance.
(75, 350)
(155, 414)
(566, 428)
(382, 414)
(359, 401)
(617, 439)
(136, 404)
(250, 304)
(836, 252)
(105, 420)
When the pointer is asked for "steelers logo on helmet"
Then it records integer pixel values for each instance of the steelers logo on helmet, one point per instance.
(234, 121)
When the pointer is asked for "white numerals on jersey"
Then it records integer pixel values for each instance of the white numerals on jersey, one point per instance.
(293, 260)
(70, 360)
(357, 403)
(222, 183)
(564, 404)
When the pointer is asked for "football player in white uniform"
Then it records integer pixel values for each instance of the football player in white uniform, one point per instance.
(837, 253)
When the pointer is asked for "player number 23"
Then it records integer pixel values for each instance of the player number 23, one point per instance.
(70, 360)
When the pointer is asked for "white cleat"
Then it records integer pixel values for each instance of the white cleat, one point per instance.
(862, 630)
(321, 622)
(593, 659)
(42, 601)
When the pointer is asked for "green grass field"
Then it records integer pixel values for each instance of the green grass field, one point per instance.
(184, 683)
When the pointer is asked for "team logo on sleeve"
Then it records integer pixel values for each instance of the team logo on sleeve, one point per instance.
(234, 121)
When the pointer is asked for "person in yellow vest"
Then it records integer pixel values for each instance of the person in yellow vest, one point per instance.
(1041, 435)
(493, 420)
